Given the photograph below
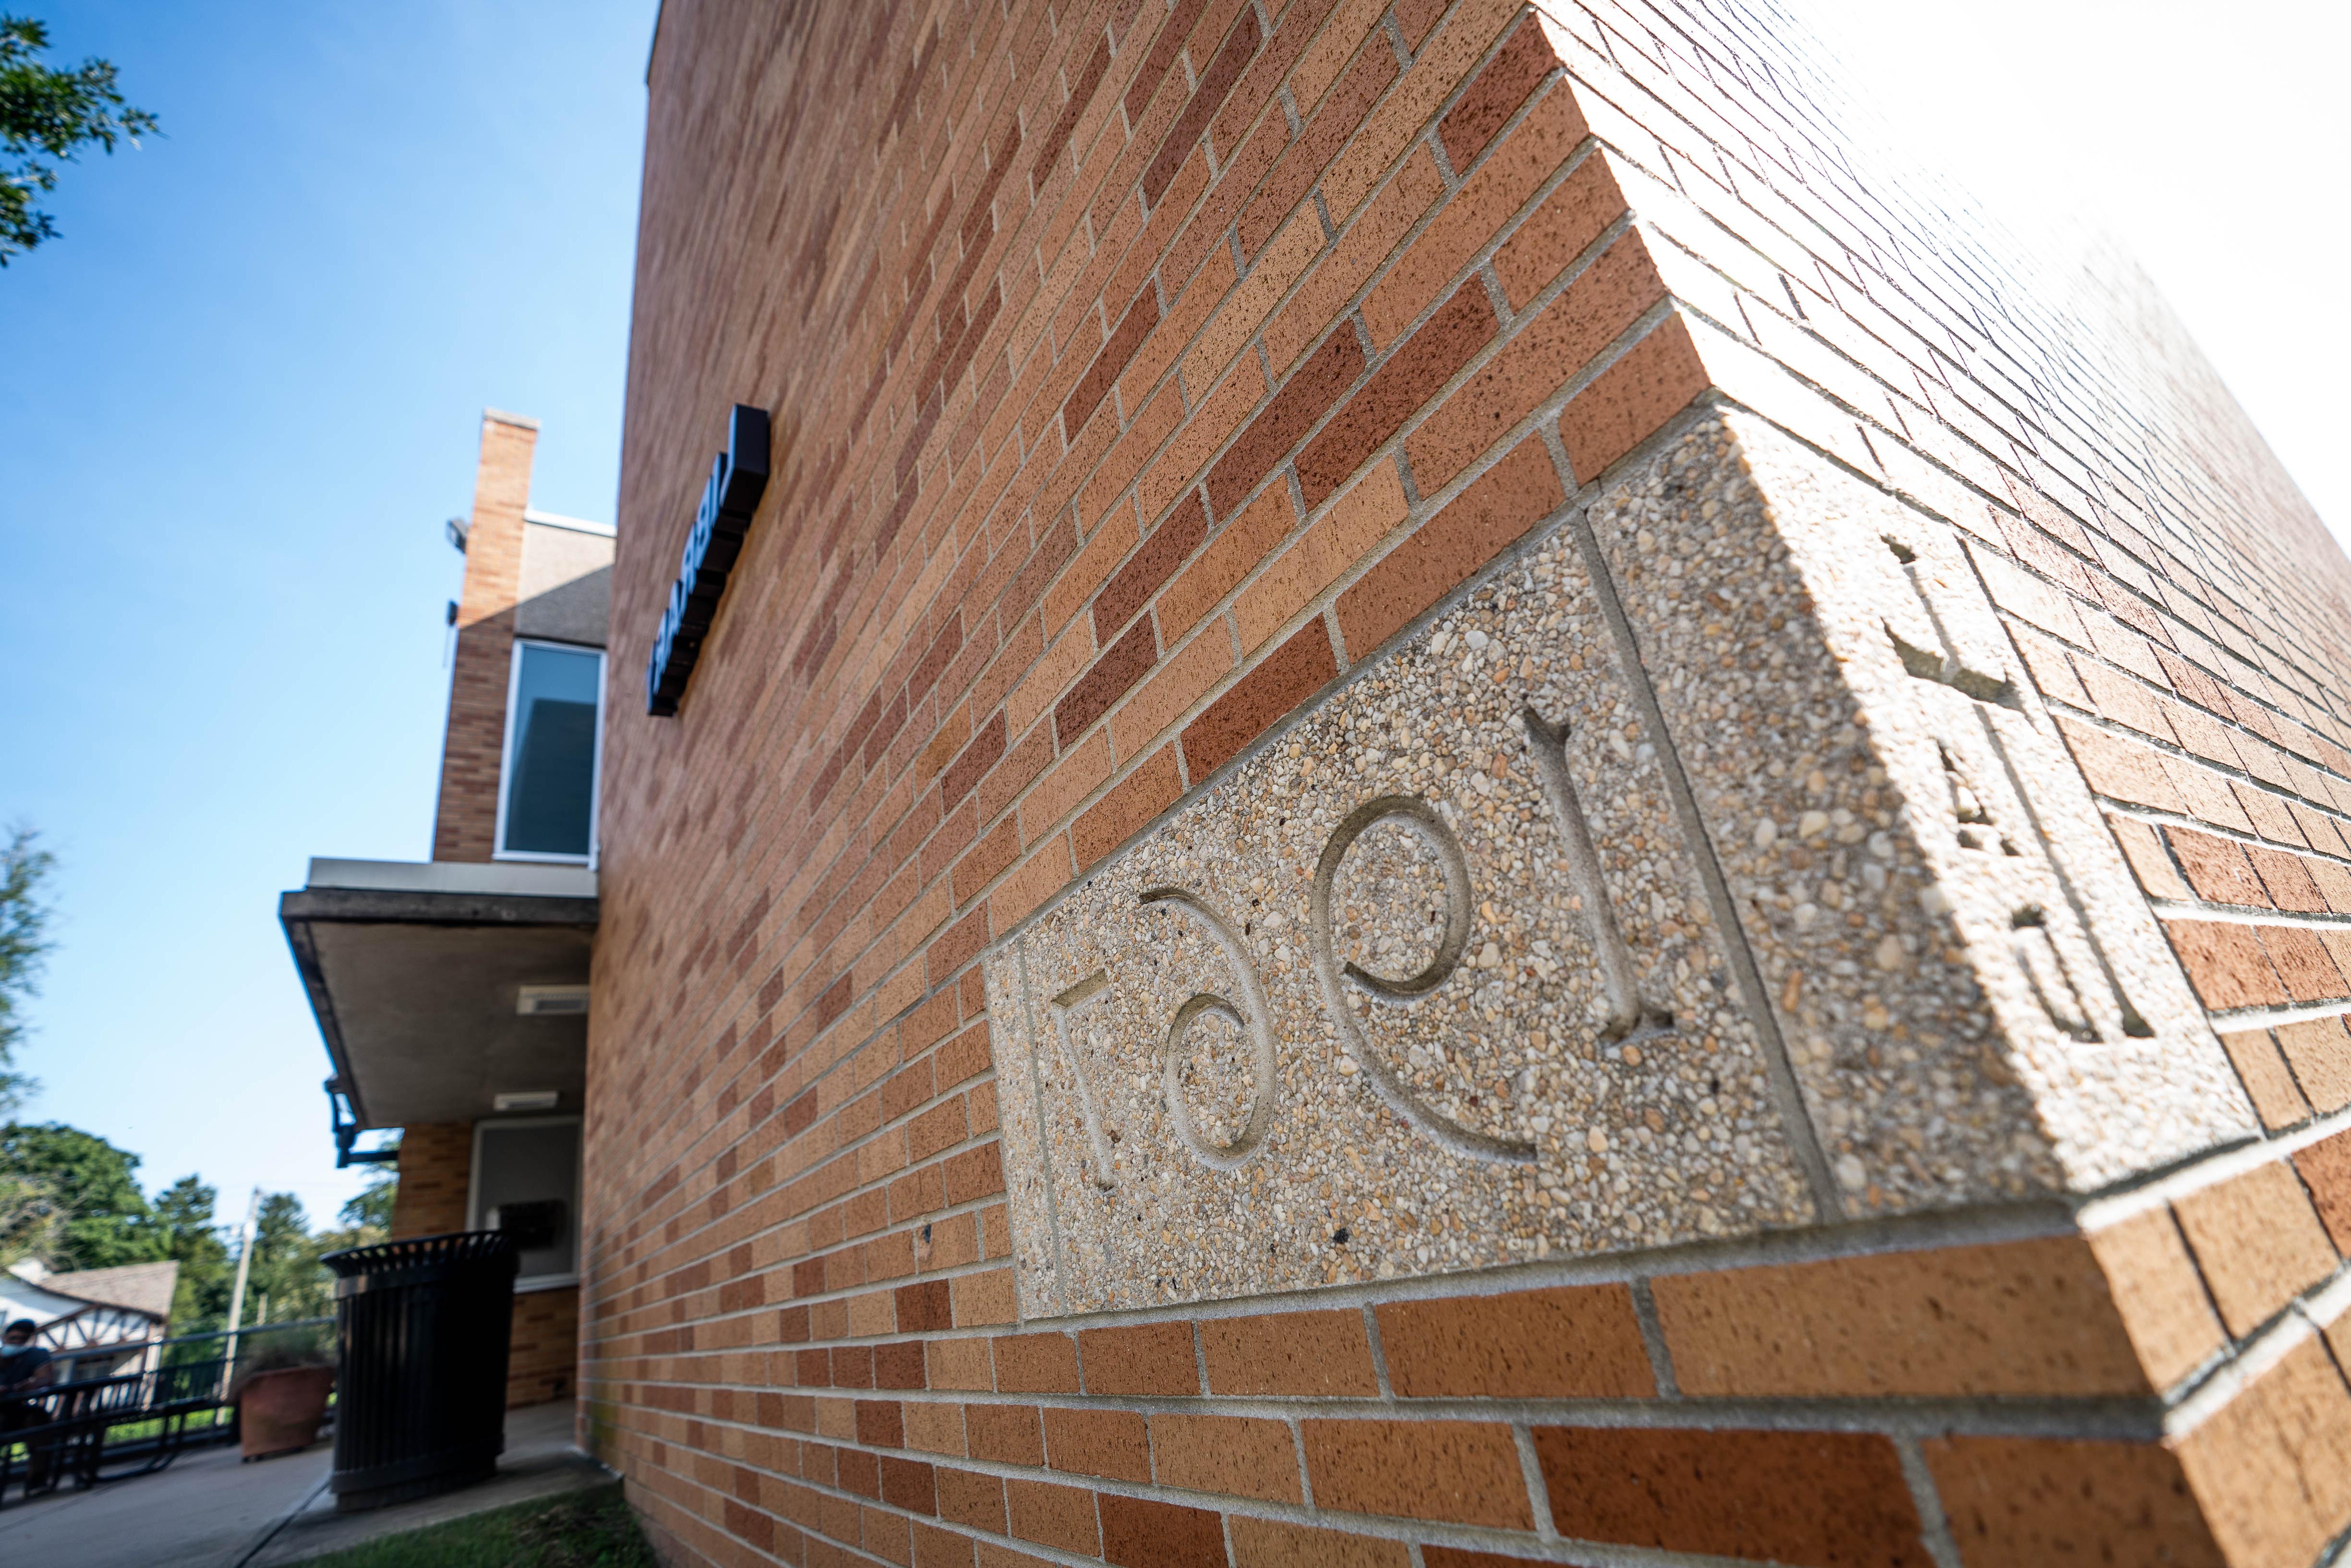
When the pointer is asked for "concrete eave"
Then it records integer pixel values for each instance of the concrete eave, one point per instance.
(413, 972)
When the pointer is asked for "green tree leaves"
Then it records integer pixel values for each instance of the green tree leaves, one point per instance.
(103, 1218)
(47, 114)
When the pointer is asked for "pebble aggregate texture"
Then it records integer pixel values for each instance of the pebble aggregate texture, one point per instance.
(1593, 1131)
(1949, 939)
(1976, 1002)
(1159, 386)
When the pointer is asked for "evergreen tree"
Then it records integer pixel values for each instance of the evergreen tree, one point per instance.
(25, 869)
(285, 1264)
(184, 1214)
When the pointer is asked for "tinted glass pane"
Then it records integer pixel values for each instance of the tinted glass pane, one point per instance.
(526, 1186)
(552, 782)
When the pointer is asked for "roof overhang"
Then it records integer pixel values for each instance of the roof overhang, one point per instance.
(416, 973)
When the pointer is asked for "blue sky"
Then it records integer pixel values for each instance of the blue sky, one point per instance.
(243, 390)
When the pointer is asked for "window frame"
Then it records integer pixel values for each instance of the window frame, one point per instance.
(506, 750)
(529, 1282)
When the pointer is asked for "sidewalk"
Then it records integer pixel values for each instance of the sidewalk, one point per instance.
(539, 1462)
(210, 1511)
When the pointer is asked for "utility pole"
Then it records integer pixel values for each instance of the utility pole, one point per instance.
(236, 1296)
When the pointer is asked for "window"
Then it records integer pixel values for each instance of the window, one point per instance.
(547, 797)
(527, 1183)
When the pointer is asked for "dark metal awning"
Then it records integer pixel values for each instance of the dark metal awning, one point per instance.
(441, 986)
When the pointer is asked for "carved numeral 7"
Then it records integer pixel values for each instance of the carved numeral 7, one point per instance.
(1069, 1009)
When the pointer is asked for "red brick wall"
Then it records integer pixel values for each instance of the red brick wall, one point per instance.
(465, 826)
(543, 1357)
(436, 1167)
(1136, 372)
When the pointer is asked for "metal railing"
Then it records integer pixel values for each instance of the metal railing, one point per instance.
(94, 1430)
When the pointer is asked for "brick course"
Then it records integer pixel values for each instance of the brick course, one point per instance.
(437, 1163)
(1147, 368)
(464, 828)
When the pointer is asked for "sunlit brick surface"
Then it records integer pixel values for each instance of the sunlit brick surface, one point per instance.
(1141, 372)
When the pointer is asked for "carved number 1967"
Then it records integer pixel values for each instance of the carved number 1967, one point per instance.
(1249, 1014)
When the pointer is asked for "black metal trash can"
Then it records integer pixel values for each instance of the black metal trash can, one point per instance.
(421, 1405)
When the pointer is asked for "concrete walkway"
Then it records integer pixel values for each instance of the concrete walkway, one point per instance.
(211, 1510)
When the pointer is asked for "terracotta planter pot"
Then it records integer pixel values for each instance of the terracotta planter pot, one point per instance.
(279, 1412)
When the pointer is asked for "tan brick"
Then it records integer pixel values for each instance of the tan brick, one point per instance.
(935, 1428)
(2320, 1053)
(1052, 1515)
(1245, 308)
(2020, 1318)
(1005, 1434)
(1244, 1457)
(2225, 963)
(2038, 1503)
(1114, 540)
(1037, 1364)
(2157, 1291)
(2266, 1077)
(1496, 510)
(959, 1364)
(1349, 531)
(465, 826)
(1321, 1355)
(1230, 557)
(1271, 1544)
(984, 1298)
(1569, 1342)
(1131, 802)
(1576, 212)
(1485, 201)
(436, 1162)
(1183, 678)
(2272, 1469)
(2326, 1170)
(2217, 868)
(1109, 1443)
(1146, 1359)
(1628, 401)
(1464, 1471)
(1077, 775)
(1322, 299)
(2258, 1242)
(1787, 1497)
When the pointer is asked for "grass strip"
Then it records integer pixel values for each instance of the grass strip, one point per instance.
(590, 1529)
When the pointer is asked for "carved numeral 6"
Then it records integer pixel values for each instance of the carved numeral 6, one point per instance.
(1252, 1019)
(1423, 820)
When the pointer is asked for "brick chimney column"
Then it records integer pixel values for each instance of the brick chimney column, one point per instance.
(465, 826)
